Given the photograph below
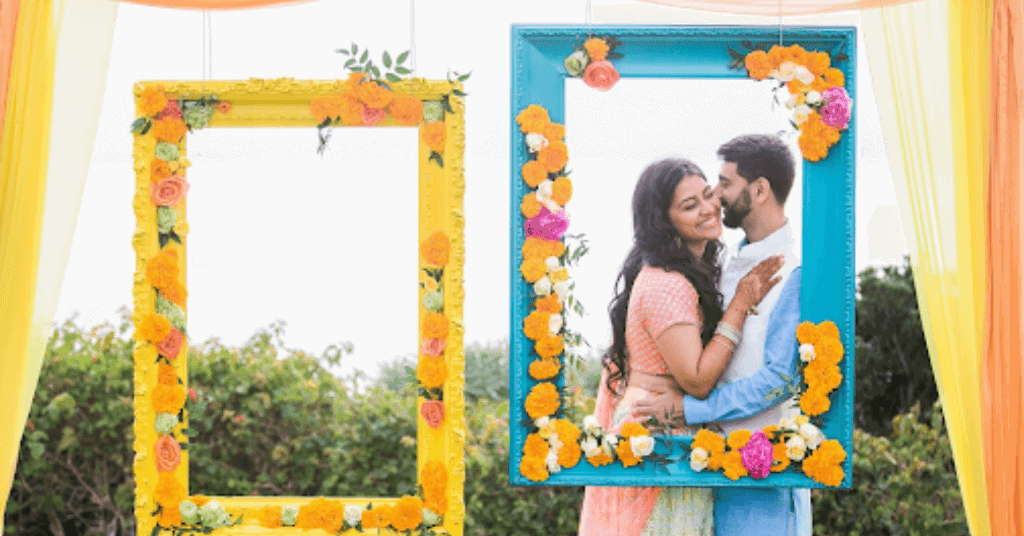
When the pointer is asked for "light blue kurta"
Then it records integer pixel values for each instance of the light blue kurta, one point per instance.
(755, 511)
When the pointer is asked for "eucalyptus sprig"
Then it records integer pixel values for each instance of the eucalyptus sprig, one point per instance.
(362, 63)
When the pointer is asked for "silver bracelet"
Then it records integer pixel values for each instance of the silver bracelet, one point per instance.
(729, 332)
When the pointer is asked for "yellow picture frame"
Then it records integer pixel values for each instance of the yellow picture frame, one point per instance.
(286, 103)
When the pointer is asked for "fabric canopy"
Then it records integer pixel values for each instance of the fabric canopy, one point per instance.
(213, 4)
(777, 7)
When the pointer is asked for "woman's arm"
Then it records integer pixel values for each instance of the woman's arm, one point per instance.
(697, 368)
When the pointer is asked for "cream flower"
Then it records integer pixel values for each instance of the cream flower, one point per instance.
(807, 353)
(793, 101)
(800, 420)
(641, 445)
(546, 426)
(552, 264)
(801, 113)
(590, 425)
(813, 97)
(542, 287)
(353, 514)
(189, 512)
(165, 422)
(786, 71)
(555, 324)
(795, 448)
(545, 190)
(590, 447)
(804, 75)
(288, 515)
(699, 459)
(552, 462)
(555, 443)
(561, 288)
(812, 435)
(536, 142)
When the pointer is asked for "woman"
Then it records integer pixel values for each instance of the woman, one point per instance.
(669, 331)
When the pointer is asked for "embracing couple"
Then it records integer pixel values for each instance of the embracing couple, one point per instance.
(701, 335)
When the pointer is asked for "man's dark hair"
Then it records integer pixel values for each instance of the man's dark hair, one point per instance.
(762, 155)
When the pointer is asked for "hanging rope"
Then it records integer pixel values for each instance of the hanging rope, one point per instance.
(207, 49)
(412, 36)
(780, 23)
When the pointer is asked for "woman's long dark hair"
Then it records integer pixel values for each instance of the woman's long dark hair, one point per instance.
(656, 243)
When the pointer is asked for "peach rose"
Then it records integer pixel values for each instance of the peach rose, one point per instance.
(372, 116)
(600, 75)
(169, 192)
(168, 454)
(432, 347)
(170, 346)
(433, 413)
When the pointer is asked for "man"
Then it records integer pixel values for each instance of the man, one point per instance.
(755, 180)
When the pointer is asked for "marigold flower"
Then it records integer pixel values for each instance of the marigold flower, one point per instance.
(533, 112)
(351, 110)
(758, 64)
(534, 468)
(717, 460)
(533, 270)
(166, 375)
(709, 441)
(738, 439)
(537, 247)
(554, 156)
(631, 429)
(436, 249)
(270, 517)
(549, 346)
(561, 190)
(542, 401)
(548, 304)
(406, 109)
(167, 493)
(554, 132)
(796, 87)
(377, 518)
(600, 459)
(544, 369)
(159, 169)
(433, 134)
(566, 431)
(530, 205)
(168, 398)
(535, 446)
(175, 293)
(435, 487)
(624, 450)
(597, 49)
(569, 455)
(823, 464)
(807, 333)
(732, 463)
(152, 100)
(559, 275)
(797, 54)
(408, 513)
(814, 402)
(373, 94)
(829, 350)
(169, 129)
(432, 371)
(324, 107)
(818, 62)
(435, 326)
(353, 81)
(534, 173)
(153, 329)
(199, 500)
(162, 269)
(535, 325)
(780, 461)
(834, 77)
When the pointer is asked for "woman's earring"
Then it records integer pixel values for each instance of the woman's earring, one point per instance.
(679, 241)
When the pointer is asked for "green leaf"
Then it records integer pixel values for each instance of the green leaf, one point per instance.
(366, 54)
(747, 44)
(614, 56)
(36, 449)
(163, 240)
(342, 51)
(464, 77)
(350, 62)
(387, 59)
(842, 57)
(402, 70)
(393, 77)
(145, 129)
(138, 124)
(376, 71)
(402, 57)
(436, 156)
(735, 55)
(354, 49)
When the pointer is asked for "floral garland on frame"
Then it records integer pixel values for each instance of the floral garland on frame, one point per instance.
(590, 61)
(821, 107)
(160, 133)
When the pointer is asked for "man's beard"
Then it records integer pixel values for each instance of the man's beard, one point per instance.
(735, 212)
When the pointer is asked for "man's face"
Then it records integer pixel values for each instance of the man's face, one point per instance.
(734, 195)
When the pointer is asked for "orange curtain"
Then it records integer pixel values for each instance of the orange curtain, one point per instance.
(1002, 371)
(8, 22)
(213, 4)
(777, 7)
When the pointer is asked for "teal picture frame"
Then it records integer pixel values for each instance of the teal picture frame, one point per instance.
(828, 281)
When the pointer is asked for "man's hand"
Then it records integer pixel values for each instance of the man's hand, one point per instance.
(667, 406)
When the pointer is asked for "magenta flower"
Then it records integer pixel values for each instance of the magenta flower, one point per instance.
(757, 455)
(547, 225)
(837, 108)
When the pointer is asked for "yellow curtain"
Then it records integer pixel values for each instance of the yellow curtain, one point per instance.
(8, 20)
(23, 161)
(930, 65)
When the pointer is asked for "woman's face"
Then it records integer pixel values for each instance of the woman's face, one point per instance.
(696, 212)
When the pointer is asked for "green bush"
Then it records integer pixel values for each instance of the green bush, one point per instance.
(276, 422)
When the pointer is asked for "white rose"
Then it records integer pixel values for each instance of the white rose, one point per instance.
(795, 448)
(804, 75)
(542, 423)
(353, 514)
(801, 113)
(641, 445)
(590, 447)
(699, 459)
(545, 190)
(552, 205)
(611, 440)
(555, 443)
(812, 435)
(555, 324)
(561, 288)
(552, 263)
(807, 353)
(786, 422)
(609, 448)
(536, 142)
(552, 461)
(813, 97)
(793, 101)
(590, 425)
(787, 71)
(542, 287)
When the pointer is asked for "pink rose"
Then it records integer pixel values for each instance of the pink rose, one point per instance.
(432, 412)
(170, 347)
(757, 455)
(837, 108)
(169, 192)
(171, 110)
(192, 394)
(600, 75)
(547, 225)
(168, 454)
(372, 116)
(432, 347)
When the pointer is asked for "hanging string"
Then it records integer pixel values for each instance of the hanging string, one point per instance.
(204, 53)
(588, 17)
(207, 49)
(780, 23)
(412, 36)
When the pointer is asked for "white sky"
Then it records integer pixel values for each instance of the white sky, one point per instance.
(278, 232)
